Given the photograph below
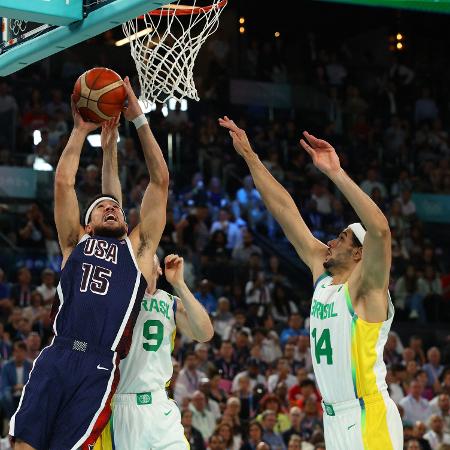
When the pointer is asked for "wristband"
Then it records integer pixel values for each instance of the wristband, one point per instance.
(139, 121)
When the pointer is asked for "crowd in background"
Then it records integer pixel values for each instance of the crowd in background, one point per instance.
(253, 382)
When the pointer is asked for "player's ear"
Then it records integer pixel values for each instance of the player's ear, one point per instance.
(357, 254)
(88, 229)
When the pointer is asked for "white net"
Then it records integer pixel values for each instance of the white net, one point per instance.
(165, 44)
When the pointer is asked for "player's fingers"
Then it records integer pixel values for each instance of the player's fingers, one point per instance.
(307, 147)
(312, 139)
(170, 259)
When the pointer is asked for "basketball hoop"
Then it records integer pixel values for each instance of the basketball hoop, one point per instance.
(164, 45)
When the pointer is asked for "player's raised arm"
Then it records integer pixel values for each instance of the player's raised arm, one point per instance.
(191, 317)
(110, 168)
(279, 202)
(376, 258)
(67, 212)
(146, 236)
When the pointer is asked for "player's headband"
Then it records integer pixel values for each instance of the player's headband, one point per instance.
(94, 204)
(358, 231)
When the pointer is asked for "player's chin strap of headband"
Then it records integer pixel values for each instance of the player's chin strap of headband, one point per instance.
(358, 231)
(99, 200)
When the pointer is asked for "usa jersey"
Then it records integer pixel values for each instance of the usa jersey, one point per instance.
(98, 296)
(148, 366)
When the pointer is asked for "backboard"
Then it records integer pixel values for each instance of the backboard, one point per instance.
(25, 42)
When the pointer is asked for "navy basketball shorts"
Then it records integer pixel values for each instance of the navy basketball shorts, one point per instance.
(66, 402)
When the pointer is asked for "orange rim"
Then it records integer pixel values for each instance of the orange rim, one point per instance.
(185, 10)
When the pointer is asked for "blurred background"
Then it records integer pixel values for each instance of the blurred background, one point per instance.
(374, 83)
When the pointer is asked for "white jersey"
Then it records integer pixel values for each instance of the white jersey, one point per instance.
(148, 365)
(347, 352)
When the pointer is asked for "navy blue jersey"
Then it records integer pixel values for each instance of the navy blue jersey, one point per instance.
(99, 294)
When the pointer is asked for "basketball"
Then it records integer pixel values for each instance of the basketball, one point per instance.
(99, 95)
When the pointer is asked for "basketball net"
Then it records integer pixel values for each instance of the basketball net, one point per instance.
(165, 44)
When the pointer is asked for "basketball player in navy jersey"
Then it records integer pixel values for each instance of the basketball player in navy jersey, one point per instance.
(65, 404)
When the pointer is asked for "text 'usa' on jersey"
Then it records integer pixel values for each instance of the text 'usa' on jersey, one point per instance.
(99, 293)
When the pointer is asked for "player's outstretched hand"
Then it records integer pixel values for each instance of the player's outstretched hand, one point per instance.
(323, 154)
(239, 136)
(110, 133)
(174, 266)
(133, 109)
(79, 123)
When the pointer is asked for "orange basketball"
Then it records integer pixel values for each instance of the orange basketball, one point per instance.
(99, 95)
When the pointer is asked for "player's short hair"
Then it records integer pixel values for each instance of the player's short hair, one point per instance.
(83, 216)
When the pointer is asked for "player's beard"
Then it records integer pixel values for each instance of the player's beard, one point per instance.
(116, 232)
(341, 259)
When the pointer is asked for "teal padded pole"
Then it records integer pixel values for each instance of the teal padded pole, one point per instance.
(98, 21)
(53, 12)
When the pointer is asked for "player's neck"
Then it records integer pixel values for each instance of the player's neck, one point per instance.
(340, 276)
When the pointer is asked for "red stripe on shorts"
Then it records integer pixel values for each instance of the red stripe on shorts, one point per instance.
(104, 416)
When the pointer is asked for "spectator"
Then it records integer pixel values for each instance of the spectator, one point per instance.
(269, 435)
(241, 347)
(425, 107)
(441, 406)
(202, 419)
(14, 376)
(255, 433)
(394, 382)
(282, 374)
(407, 205)
(371, 182)
(416, 344)
(295, 417)
(223, 319)
(433, 368)
(217, 442)
(212, 405)
(232, 415)
(271, 402)
(281, 306)
(249, 203)
(390, 355)
(231, 229)
(418, 432)
(226, 363)
(252, 373)
(193, 436)
(244, 393)
(413, 444)
(35, 311)
(257, 294)
(33, 344)
(215, 391)
(303, 351)
(436, 435)
(242, 252)
(311, 420)
(408, 295)
(189, 377)
(5, 346)
(296, 443)
(202, 352)
(205, 296)
(90, 186)
(415, 406)
(294, 328)
(47, 288)
(21, 291)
